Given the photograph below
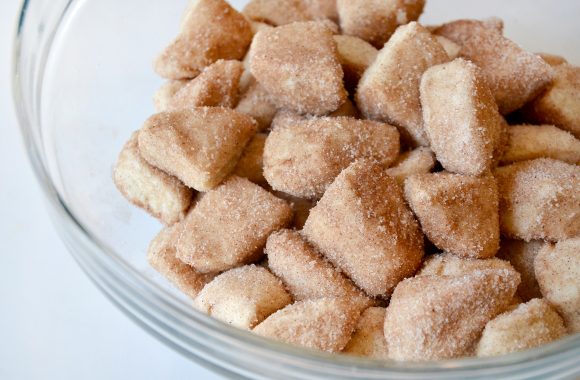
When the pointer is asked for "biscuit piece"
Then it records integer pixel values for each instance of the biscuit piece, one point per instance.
(527, 142)
(165, 93)
(389, 89)
(539, 199)
(557, 269)
(306, 274)
(462, 121)
(445, 264)
(521, 256)
(160, 194)
(459, 214)
(451, 48)
(250, 164)
(560, 104)
(417, 161)
(216, 86)
(303, 158)
(552, 60)
(363, 226)
(355, 56)
(161, 257)
(255, 102)
(369, 338)
(276, 12)
(441, 317)
(376, 20)
(200, 146)
(298, 66)
(324, 324)
(300, 206)
(229, 226)
(514, 76)
(211, 30)
(243, 297)
(529, 325)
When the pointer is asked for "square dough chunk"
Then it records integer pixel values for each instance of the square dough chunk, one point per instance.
(355, 55)
(200, 146)
(229, 226)
(368, 339)
(250, 165)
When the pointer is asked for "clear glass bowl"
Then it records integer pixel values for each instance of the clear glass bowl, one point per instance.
(83, 82)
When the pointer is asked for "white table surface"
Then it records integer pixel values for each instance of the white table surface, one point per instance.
(54, 323)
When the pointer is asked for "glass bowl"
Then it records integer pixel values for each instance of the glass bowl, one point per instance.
(83, 81)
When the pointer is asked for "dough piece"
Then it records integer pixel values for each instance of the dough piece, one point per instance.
(303, 158)
(514, 76)
(306, 274)
(255, 102)
(300, 206)
(521, 256)
(322, 9)
(211, 30)
(161, 257)
(355, 56)
(462, 121)
(165, 93)
(557, 269)
(216, 86)
(446, 264)
(389, 89)
(539, 199)
(363, 226)
(552, 60)
(368, 339)
(451, 48)
(250, 164)
(297, 64)
(324, 324)
(229, 226)
(160, 194)
(243, 297)
(529, 325)
(276, 12)
(200, 146)
(527, 142)
(442, 317)
(417, 161)
(376, 20)
(459, 214)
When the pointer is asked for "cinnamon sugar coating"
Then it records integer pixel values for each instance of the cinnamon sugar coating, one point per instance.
(323, 324)
(459, 214)
(417, 161)
(229, 226)
(250, 164)
(539, 199)
(200, 146)
(451, 48)
(160, 194)
(368, 339)
(462, 121)
(165, 93)
(297, 64)
(303, 158)
(363, 226)
(211, 30)
(276, 12)
(445, 264)
(355, 56)
(300, 206)
(389, 89)
(514, 76)
(243, 297)
(521, 256)
(255, 102)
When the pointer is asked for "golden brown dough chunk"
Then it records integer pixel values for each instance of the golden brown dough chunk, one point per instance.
(363, 226)
(514, 76)
(166, 92)
(557, 269)
(376, 20)
(369, 338)
(324, 324)
(216, 86)
(560, 103)
(441, 317)
(348, 109)
(529, 325)
(521, 256)
(462, 121)
(539, 199)
(417, 161)
(161, 257)
(255, 102)
(306, 274)
(160, 194)
(527, 142)
(355, 56)
(276, 12)
(389, 89)
(212, 30)
(322, 9)
(552, 60)
(243, 297)
(229, 226)
(200, 146)
(250, 164)
(451, 48)
(446, 264)
(298, 66)
(303, 158)
(300, 206)
(459, 214)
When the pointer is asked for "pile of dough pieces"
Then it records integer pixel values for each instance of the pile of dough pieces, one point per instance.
(334, 175)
